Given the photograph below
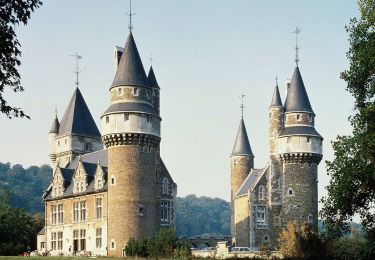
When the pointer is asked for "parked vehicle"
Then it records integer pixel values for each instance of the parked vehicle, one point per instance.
(240, 249)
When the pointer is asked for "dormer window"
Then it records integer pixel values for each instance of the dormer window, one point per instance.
(136, 91)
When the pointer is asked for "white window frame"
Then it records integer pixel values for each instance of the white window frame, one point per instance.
(261, 192)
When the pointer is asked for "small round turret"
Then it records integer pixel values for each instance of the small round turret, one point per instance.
(52, 139)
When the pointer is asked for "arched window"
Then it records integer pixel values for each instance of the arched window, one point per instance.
(261, 192)
(165, 186)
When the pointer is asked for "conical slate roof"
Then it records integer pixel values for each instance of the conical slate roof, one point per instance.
(152, 79)
(297, 99)
(77, 118)
(276, 100)
(242, 144)
(130, 71)
(55, 126)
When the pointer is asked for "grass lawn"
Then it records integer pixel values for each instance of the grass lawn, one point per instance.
(52, 258)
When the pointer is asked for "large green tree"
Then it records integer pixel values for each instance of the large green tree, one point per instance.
(12, 13)
(351, 190)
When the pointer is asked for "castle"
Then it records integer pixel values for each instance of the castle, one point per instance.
(286, 188)
(99, 198)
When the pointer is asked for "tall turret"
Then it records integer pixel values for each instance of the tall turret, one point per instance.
(52, 140)
(131, 132)
(300, 150)
(242, 161)
(275, 126)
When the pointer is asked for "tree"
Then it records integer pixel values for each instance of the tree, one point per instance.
(352, 186)
(300, 242)
(12, 13)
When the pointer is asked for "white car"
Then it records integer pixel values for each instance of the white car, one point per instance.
(240, 249)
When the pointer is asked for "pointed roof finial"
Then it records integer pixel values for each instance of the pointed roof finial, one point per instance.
(130, 14)
(151, 59)
(242, 105)
(297, 31)
(276, 80)
(77, 71)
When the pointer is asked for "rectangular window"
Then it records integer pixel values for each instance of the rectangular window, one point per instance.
(88, 147)
(53, 241)
(164, 210)
(99, 238)
(261, 215)
(99, 207)
(288, 139)
(60, 213)
(60, 240)
(136, 91)
(75, 240)
(75, 211)
(149, 118)
(126, 116)
(82, 237)
(308, 139)
(83, 211)
(54, 214)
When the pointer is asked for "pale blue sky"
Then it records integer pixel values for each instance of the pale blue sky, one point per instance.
(206, 53)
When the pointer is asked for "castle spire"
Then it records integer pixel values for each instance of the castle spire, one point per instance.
(242, 144)
(152, 79)
(276, 100)
(130, 71)
(297, 99)
(55, 125)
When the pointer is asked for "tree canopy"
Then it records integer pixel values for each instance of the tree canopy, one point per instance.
(12, 13)
(351, 190)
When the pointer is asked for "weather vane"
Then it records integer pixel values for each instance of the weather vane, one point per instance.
(276, 80)
(77, 71)
(242, 105)
(297, 31)
(130, 14)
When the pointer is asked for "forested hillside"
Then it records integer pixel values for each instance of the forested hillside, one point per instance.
(26, 186)
(195, 216)
(202, 216)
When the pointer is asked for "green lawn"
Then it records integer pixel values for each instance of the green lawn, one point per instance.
(52, 258)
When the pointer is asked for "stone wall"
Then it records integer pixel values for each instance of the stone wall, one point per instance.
(133, 201)
(242, 221)
(240, 169)
(300, 193)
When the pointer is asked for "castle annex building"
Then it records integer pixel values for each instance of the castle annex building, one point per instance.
(99, 198)
(286, 188)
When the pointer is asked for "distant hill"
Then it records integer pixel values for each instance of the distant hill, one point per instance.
(26, 185)
(202, 216)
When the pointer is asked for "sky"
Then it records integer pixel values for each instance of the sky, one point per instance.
(205, 55)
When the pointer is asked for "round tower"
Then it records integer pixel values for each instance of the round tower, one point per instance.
(300, 149)
(52, 140)
(275, 122)
(131, 132)
(242, 161)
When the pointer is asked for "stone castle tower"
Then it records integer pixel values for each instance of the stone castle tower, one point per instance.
(300, 152)
(242, 161)
(286, 189)
(131, 132)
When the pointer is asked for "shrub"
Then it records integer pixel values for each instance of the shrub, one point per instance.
(300, 242)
